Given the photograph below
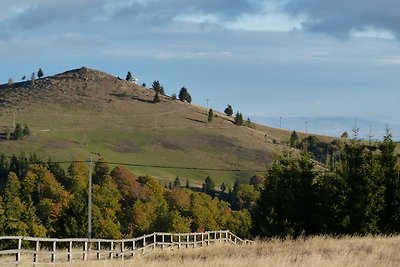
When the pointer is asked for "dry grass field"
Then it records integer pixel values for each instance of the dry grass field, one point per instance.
(316, 251)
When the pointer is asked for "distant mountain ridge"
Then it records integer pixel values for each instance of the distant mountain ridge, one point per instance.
(332, 126)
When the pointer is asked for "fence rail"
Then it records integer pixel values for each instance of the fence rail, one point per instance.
(51, 250)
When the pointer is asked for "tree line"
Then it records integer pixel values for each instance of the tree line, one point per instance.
(354, 189)
(42, 199)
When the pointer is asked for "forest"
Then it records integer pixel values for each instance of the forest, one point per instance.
(342, 187)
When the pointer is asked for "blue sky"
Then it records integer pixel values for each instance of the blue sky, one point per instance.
(270, 58)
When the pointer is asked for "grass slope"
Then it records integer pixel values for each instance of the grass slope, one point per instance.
(84, 113)
(315, 251)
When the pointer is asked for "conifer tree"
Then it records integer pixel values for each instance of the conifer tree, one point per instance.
(238, 119)
(228, 110)
(294, 139)
(288, 206)
(223, 187)
(208, 185)
(210, 115)
(18, 132)
(26, 131)
(158, 88)
(40, 73)
(156, 98)
(177, 183)
(184, 95)
(129, 76)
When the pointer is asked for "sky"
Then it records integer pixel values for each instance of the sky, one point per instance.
(266, 58)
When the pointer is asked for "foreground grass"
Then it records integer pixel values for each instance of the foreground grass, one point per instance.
(316, 251)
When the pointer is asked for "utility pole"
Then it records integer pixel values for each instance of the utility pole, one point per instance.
(306, 126)
(90, 200)
(207, 105)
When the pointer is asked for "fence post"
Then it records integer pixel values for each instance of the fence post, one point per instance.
(85, 247)
(122, 249)
(70, 251)
(162, 240)
(111, 249)
(144, 244)
(37, 248)
(179, 241)
(18, 255)
(133, 247)
(98, 250)
(155, 241)
(53, 255)
(208, 238)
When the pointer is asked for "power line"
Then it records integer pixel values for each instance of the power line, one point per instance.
(158, 166)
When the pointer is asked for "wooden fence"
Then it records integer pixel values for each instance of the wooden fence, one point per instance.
(51, 250)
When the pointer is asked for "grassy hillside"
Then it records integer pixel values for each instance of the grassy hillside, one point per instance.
(85, 113)
(315, 251)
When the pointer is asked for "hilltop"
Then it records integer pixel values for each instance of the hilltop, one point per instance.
(84, 113)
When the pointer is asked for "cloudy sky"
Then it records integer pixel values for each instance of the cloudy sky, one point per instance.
(272, 58)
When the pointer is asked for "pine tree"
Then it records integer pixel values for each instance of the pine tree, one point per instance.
(208, 185)
(184, 95)
(158, 88)
(129, 76)
(228, 110)
(210, 115)
(294, 139)
(288, 206)
(223, 187)
(40, 73)
(26, 131)
(18, 132)
(177, 183)
(156, 98)
(388, 160)
(239, 119)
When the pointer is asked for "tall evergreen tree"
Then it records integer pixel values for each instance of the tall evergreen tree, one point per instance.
(210, 115)
(158, 88)
(184, 95)
(388, 160)
(129, 76)
(238, 119)
(363, 174)
(18, 132)
(208, 186)
(228, 110)
(287, 206)
(40, 73)
(156, 98)
(26, 131)
(177, 182)
(294, 139)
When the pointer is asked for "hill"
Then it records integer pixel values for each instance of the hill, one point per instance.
(86, 113)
